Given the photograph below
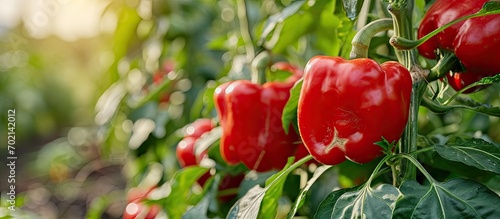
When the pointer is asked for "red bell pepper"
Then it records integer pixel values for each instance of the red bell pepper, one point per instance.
(474, 41)
(136, 206)
(250, 116)
(185, 150)
(347, 106)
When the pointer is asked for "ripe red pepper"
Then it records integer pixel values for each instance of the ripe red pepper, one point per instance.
(474, 41)
(187, 157)
(136, 207)
(250, 116)
(347, 106)
(185, 150)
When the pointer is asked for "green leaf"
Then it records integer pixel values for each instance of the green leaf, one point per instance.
(275, 185)
(490, 6)
(325, 209)
(98, 207)
(289, 30)
(208, 96)
(181, 196)
(248, 206)
(473, 152)
(290, 110)
(254, 179)
(328, 35)
(443, 169)
(301, 198)
(280, 17)
(467, 104)
(218, 43)
(199, 211)
(352, 8)
(484, 81)
(362, 203)
(197, 105)
(457, 198)
(203, 105)
(386, 145)
(265, 199)
(375, 203)
(487, 80)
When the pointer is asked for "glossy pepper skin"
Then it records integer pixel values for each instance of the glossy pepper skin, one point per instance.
(347, 106)
(185, 150)
(475, 41)
(250, 116)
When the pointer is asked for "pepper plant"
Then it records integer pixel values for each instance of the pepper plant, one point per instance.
(368, 129)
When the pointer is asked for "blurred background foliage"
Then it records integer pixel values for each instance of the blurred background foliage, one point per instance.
(102, 89)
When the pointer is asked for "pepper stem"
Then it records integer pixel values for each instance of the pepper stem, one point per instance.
(361, 40)
(448, 62)
(404, 169)
(245, 28)
(259, 66)
(401, 11)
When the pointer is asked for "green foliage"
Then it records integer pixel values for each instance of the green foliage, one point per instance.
(365, 202)
(458, 198)
(352, 8)
(262, 202)
(181, 196)
(200, 210)
(160, 69)
(473, 152)
(290, 111)
(301, 198)
(219, 44)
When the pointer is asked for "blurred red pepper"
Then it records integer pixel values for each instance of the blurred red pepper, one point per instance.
(160, 75)
(474, 41)
(185, 150)
(347, 106)
(250, 116)
(136, 208)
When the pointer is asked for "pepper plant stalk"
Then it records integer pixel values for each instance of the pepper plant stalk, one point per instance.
(361, 41)
(257, 62)
(401, 11)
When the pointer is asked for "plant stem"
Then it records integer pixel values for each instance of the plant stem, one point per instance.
(290, 169)
(447, 63)
(417, 164)
(405, 170)
(401, 11)
(376, 171)
(245, 29)
(361, 40)
(259, 65)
